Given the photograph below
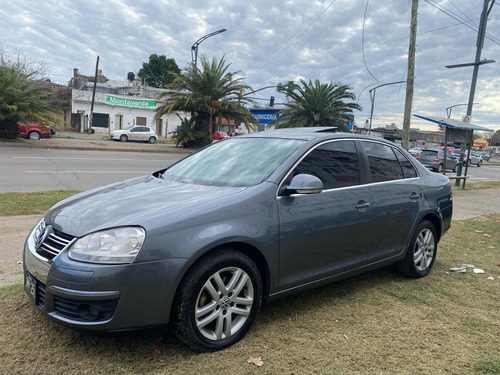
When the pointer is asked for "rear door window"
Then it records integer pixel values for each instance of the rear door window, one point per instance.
(408, 168)
(382, 162)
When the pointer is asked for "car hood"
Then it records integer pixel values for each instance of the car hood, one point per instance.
(138, 201)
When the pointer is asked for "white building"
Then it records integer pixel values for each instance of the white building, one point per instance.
(118, 105)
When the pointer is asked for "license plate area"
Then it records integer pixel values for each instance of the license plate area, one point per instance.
(30, 285)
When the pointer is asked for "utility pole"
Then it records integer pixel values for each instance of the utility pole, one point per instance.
(91, 118)
(477, 62)
(411, 74)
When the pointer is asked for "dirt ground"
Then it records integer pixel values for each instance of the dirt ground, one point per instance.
(14, 229)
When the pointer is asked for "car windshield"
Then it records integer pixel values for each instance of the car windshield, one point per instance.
(235, 162)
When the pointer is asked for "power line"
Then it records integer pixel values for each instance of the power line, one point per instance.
(288, 43)
(363, 52)
(458, 18)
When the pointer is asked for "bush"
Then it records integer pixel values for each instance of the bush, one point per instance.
(188, 133)
(8, 128)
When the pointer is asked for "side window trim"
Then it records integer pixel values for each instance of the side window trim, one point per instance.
(362, 171)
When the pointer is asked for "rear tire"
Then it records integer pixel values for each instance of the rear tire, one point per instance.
(152, 140)
(421, 253)
(34, 135)
(123, 138)
(440, 168)
(217, 301)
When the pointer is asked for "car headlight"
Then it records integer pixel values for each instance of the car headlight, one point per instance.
(111, 246)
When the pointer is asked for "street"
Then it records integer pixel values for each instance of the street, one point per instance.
(33, 169)
(26, 169)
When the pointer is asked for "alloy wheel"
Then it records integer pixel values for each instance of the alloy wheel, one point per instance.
(224, 303)
(424, 250)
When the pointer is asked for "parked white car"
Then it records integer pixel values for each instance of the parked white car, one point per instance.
(135, 133)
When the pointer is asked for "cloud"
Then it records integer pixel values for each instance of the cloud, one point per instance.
(272, 42)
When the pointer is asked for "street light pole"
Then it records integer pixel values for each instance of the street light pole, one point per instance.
(372, 99)
(194, 47)
(448, 109)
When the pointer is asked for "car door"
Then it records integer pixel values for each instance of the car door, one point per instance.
(134, 134)
(325, 233)
(396, 193)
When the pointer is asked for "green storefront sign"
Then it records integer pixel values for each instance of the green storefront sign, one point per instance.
(125, 102)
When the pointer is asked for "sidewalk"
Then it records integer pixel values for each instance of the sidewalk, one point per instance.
(97, 142)
(14, 229)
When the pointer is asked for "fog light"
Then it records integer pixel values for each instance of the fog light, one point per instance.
(88, 311)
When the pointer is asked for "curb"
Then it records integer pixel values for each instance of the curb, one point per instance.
(166, 149)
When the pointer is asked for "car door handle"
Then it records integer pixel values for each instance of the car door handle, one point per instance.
(362, 204)
(414, 196)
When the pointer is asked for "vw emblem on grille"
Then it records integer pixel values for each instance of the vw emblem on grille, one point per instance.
(42, 236)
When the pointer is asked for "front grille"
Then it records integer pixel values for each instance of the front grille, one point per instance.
(77, 309)
(54, 244)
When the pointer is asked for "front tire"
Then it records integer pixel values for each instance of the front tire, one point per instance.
(123, 138)
(421, 253)
(217, 301)
(34, 135)
(479, 163)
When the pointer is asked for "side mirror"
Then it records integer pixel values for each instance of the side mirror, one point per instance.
(305, 184)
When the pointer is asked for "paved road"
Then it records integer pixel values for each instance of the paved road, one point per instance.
(26, 169)
(487, 172)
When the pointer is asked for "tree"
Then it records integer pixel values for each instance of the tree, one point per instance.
(208, 93)
(23, 98)
(316, 104)
(495, 139)
(159, 71)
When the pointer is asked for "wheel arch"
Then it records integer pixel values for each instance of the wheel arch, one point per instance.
(245, 248)
(436, 221)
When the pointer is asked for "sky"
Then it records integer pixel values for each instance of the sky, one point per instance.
(361, 43)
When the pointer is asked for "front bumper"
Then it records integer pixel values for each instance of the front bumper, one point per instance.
(99, 297)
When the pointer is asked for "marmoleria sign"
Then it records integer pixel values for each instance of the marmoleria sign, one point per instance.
(125, 102)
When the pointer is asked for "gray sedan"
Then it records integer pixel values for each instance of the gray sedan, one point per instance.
(201, 245)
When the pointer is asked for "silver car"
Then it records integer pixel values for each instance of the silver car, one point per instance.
(474, 159)
(135, 133)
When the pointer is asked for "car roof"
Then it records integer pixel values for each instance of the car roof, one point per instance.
(311, 134)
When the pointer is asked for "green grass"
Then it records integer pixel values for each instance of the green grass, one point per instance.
(9, 291)
(14, 140)
(31, 203)
(378, 322)
(477, 185)
(489, 364)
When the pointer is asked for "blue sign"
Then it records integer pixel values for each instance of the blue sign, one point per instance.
(350, 123)
(265, 116)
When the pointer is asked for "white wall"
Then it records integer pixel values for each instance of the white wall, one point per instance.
(81, 101)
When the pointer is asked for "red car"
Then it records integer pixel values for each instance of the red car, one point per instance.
(34, 130)
(220, 135)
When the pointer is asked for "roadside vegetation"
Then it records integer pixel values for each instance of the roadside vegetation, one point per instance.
(476, 185)
(24, 95)
(30, 203)
(208, 94)
(379, 322)
(317, 104)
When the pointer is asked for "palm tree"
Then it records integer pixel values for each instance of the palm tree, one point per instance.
(208, 93)
(23, 98)
(317, 104)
